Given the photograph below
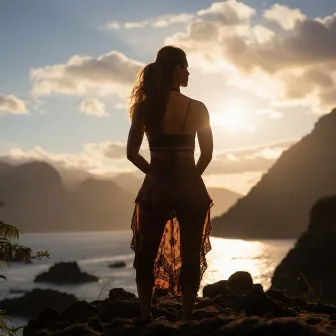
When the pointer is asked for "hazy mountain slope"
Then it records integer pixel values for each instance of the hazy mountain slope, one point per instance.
(5, 167)
(277, 207)
(129, 182)
(223, 199)
(100, 205)
(35, 197)
(37, 201)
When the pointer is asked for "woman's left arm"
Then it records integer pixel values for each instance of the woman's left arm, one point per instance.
(135, 137)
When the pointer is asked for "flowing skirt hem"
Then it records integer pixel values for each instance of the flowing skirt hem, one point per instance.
(167, 265)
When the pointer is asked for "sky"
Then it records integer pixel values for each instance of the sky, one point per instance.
(266, 70)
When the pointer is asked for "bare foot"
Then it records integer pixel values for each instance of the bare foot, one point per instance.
(161, 318)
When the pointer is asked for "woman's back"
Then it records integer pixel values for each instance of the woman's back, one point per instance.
(180, 124)
(180, 115)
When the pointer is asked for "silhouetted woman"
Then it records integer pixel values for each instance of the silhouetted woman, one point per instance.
(171, 220)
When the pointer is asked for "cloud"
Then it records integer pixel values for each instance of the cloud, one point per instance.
(10, 104)
(228, 13)
(236, 169)
(262, 34)
(93, 107)
(296, 68)
(284, 16)
(113, 25)
(110, 157)
(168, 20)
(254, 159)
(109, 73)
(328, 20)
(120, 106)
(269, 112)
(97, 158)
(113, 150)
(82, 160)
(159, 22)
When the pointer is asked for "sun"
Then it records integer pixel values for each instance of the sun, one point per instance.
(233, 116)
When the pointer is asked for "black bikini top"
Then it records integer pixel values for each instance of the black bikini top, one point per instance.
(172, 140)
(163, 140)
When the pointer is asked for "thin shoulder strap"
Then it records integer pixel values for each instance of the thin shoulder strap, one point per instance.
(186, 116)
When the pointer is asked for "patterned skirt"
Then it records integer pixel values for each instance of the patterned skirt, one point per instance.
(172, 189)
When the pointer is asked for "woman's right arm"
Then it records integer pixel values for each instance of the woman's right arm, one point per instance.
(134, 141)
(205, 139)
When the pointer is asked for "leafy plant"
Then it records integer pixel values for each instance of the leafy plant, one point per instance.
(12, 251)
(313, 295)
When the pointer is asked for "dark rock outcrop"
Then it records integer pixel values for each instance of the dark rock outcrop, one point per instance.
(65, 273)
(17, 291)
(35, 301)
(308, 270)
(278, 206)
(230, 313)
(117, 264)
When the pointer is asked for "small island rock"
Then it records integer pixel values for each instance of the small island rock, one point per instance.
(65, 273)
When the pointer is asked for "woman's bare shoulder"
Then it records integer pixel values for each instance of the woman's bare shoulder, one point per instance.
(199, 112)
(197, 104)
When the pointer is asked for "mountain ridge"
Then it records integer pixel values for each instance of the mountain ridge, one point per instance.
(40, 197)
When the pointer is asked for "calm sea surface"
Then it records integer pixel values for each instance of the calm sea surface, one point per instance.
(95, 250)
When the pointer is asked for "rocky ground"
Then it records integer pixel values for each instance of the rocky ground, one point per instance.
(230, 307)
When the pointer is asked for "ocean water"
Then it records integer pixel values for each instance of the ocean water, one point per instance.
(95, 250)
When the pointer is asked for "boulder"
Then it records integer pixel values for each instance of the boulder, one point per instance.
(238, 283)
(218, 288)
(35, 301)
(79, 310)
(65, 273)
(47, 317)
(118, 308)
(120, 293)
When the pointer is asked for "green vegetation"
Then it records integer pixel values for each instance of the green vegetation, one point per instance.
(12, 251)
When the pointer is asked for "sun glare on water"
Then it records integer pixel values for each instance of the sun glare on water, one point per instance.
(233, 116)
(259, 258)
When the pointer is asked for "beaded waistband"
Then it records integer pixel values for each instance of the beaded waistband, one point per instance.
(187, 153)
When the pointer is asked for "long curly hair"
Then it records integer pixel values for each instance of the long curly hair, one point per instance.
(149, 96)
